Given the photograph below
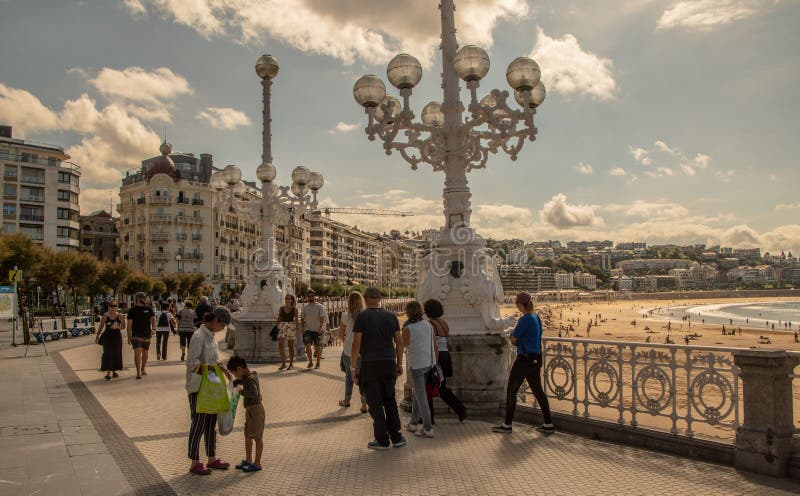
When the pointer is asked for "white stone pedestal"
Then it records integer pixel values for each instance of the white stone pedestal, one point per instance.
(252, 341)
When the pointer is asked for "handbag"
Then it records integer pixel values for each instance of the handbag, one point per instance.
(212, 397)
(274, 333)
(434, 377)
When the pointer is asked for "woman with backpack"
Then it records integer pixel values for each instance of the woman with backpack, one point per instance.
(165, 323)
(186, 317)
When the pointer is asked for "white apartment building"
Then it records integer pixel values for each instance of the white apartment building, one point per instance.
(564, 280)
(654, 264)
(759, 274)
(585, 280)
(398, 262)
(342, 254)
(40, 192)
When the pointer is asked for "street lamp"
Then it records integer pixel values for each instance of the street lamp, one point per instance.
(267, 282)
(459, 271)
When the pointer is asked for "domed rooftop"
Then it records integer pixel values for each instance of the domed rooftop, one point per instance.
(163, 164)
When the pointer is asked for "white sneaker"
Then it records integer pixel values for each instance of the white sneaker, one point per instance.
(413, 427)
(424, 433)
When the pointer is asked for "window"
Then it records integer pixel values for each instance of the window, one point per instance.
(9, 209)
(87, 241)
(10, 171)
(63, 195)
(10, 190)
(64, 177)
(9, 228)
(28, 193)
(67, 232)
(3, 154)
(52, 162)
(33, 232)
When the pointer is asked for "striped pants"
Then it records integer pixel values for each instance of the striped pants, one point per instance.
(203, 424)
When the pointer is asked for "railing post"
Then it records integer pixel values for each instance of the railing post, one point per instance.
(764, 440)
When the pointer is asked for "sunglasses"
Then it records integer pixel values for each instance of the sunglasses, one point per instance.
(112, 305)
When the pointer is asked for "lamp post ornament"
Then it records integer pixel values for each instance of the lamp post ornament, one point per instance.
(267, 282)
(459, 271)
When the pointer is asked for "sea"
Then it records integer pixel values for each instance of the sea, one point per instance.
(785, 315)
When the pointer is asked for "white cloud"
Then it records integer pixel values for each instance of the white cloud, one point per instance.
(343, 127)
(25, 112)
(618, 172)
(649, 210)
(570, 70)
(671, 159)
(347, 31)
(584, 168)
(561, 215)
(146, 94)
(726, 175)
(707, 14)
(223, 118)
(787, 206)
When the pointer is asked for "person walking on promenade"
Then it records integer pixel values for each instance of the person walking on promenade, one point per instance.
(110, 336)
(434, 311)
(246, 383)
(185, 326)
(527, 336)
(313, 320)
(355, 305)
(204, 352)
(141, 327)
(288, 321)
(199, 312)
(165, 323)
(420, 346)
(378, 344)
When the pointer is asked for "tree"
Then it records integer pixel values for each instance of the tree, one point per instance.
(52, 270)
(18, 250)
(158, 288)
(138, 283)
(172, 283)
(114, 275)
(82, 273)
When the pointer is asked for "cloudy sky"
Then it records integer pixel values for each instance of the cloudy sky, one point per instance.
(665, 120)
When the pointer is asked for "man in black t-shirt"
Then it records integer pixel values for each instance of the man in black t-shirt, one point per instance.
(141, 327)
(202, 308)
(376, 338)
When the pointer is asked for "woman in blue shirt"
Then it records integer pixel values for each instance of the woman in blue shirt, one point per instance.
(527, 336)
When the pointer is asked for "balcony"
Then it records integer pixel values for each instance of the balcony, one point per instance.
(223, 258)
(140, 201)
(180, 236)
(159, 236)
(183, 201)
(32, 179)
(192, 256)
(197, 237)
(160, 218)
(197, 201)
(160, 200)
(159, 255)
(140, 237)
(32, 198)
(31, 218)
(186, 219)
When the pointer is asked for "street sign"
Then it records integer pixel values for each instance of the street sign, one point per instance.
(6, 289)
(14, 275)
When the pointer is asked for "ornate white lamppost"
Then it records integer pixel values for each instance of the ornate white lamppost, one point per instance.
(267, 282)
(459, 271)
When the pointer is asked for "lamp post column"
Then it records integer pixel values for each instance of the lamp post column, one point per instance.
(267, 213)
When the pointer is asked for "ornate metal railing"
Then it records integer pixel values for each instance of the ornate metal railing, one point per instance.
(682, 389)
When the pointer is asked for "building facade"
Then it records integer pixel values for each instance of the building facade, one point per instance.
(99, 235)
(40, 192)
(342, 254)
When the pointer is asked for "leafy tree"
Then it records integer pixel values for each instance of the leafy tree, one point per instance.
(20, 251)
(82, 273)
(158, 288)
(52, 269)
(171, 282)
(114, 275)
(138, 282)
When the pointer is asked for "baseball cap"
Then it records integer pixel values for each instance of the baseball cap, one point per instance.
(372, 293)
(222, 314)
(523, 298)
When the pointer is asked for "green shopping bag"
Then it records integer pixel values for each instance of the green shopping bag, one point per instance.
(213, 395)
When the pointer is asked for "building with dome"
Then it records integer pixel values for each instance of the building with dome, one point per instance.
(171, 222)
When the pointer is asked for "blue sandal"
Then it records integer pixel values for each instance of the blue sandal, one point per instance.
(242, 465)
(250, 468)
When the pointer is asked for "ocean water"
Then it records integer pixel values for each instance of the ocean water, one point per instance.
(754, 314)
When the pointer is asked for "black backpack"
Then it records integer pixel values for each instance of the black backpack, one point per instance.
(163, 320)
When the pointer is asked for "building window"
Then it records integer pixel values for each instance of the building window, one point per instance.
(52, 162)
(63, 195)
(9, 228)
(10, 171)
(67, 232)
(9, 209)
(10, 190)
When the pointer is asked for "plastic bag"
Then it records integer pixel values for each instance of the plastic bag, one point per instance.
(225, 419)
(213, 395)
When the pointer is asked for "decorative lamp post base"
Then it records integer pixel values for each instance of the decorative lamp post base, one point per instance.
(462, 274)
(262, 298)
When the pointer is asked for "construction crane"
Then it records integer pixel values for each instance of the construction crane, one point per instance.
(364, 211)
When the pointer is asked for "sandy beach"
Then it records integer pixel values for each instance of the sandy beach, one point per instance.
(614, 321)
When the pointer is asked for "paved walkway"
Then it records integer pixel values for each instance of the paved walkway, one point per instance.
(312, 446)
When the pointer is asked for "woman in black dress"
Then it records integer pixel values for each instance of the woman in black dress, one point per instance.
(111, 326)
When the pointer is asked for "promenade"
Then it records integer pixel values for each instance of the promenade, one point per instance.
(66, 431)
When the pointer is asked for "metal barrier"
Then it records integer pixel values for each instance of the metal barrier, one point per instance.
(683, 389)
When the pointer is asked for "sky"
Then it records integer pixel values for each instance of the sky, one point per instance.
(666, 121)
